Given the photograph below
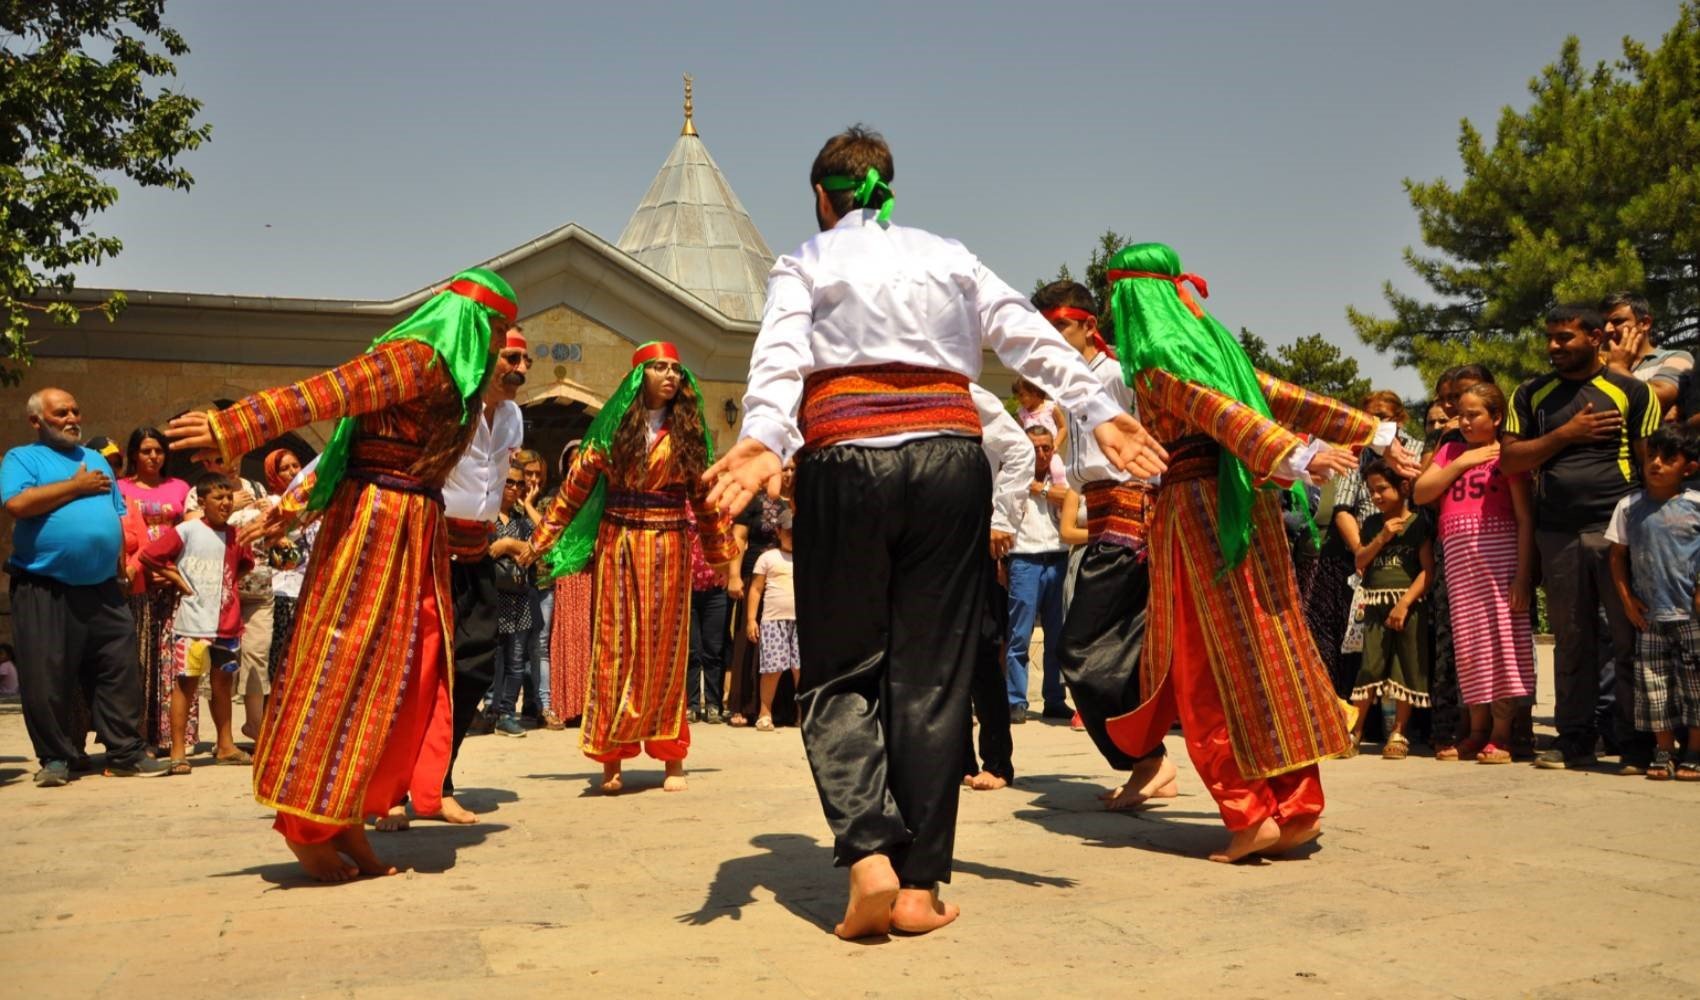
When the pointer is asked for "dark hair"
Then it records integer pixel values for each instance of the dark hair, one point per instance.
(849, 154)
(1636, 302)
(1021, 384)
(133, 450)
(1675, 439)
(1381, 468)
(1387, 396)
(1585, 316)
(1065, 293)
(205, 485)
(627, 452)
(1491, 396)
(1475, 373)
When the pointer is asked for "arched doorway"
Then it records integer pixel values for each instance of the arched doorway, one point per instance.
(556, 413)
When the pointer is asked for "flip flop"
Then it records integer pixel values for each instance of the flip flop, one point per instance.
(241, 758)
(764, 725)
(179, 766)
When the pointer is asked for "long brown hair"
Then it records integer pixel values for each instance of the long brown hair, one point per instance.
(684, 425)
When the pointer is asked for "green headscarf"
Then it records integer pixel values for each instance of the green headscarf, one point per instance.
(865, 187)
(456, 323)
(1159, 325)
(573, 549)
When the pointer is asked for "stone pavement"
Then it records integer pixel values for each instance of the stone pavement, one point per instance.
(1432, 880)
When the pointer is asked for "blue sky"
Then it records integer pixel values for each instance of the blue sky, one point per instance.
(363, 148)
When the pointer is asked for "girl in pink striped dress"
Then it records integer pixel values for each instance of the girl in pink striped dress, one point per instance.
(1487, 532)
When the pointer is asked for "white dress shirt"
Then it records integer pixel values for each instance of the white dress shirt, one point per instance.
(864, 294)
(1039, 531)
(473, 491)
(1010, 452)
(1086, 461)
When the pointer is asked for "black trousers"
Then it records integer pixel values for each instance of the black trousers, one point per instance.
(890, 564)
(1103, 635)
(988, 689)
(706, 677)
(75, 642)
(472, 585)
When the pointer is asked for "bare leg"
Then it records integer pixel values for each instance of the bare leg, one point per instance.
(223, 684)
(1152, 778)
(1251, 840)
(1362, 706)
(321, 861)
(675, 780)
(182, 700)
(873, 889)
(352, 842)
(253, 710)
(918, 911)
(611, 782)
(769, 685)
(1402, 717)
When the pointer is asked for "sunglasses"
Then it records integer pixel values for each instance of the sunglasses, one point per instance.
(515, 358)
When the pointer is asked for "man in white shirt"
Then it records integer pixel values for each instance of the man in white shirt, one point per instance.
(1104, 630)
(1037, 563)
(472, 499)
(870, 337)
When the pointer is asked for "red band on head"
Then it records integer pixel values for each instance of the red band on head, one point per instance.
(1067, 312)
(1173, 279)
(516, 340)
(484, 297)
(658, 351)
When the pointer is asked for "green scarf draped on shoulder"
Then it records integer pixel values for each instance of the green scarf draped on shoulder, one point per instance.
(1156, 328)
(572, 551)
(457, 326)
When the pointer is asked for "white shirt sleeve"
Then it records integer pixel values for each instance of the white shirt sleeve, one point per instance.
(1006, 446)
(781, 360)
(1295, 468)
(1617, 531)
(1022, 339)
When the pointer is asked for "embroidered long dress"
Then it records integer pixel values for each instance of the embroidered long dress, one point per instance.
(155, 508)
(364, 685)
(569, 646)
(1278, 700)
(640, 599)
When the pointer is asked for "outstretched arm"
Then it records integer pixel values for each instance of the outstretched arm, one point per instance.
(1262, 444)
(588, 466)
(1319, 416)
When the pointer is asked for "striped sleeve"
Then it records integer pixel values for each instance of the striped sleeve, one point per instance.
(1650, 414)
(1309, 413)
(388, 374)
(1521, 413)
(1261, 443)
(586, 469)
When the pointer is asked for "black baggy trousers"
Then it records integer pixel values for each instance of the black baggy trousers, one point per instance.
(1103, 637)
(890, 576)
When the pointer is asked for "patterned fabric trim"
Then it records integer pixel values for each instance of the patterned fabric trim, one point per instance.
(849, 404)
(1119, 513)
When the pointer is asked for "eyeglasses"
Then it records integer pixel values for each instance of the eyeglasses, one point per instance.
(516, 358)
(665, 367)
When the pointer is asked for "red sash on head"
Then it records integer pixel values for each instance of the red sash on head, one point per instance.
(516, 340)
(1079, 316)
(484, 297)
(1174, 279)
(660, 350)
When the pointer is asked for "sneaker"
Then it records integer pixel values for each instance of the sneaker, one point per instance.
(139, 766)
(1566, 755)
(693, 715)
(1017, 715)
(507, 725)
(713, 716)
(53, 774)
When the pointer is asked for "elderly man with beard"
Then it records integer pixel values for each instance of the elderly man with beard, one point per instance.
(472, 500)
(70, 618)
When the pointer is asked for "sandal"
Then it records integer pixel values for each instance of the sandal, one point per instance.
(738, 720)
(1492, 754)
(1663, 768)
(241, 758)
(1469, 747)
(1446, 753)
(180, 767)
(1397, 747)
(1689, 769)
(764, 724)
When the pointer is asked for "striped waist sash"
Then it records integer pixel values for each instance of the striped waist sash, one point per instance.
(1119, 513)
(388, 480)
(1192, 457)
(469, 539)
(654, 509)
(869, 401)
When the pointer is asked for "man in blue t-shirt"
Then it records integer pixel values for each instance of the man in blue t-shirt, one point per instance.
(70, 620)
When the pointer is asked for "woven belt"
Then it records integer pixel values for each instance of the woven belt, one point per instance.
(870, 401)
(1190, 458)
(1119, 513)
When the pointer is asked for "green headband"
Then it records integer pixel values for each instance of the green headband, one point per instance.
(864, 189)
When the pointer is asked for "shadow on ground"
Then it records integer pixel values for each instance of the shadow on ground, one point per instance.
(798, 871)
(427, 847)
(635, 780)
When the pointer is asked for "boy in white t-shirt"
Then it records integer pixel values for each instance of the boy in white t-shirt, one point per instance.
(771, 589)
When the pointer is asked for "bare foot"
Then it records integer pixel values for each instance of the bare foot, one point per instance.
(1251, 840)
(393, 821)
(986, 781)
(250, 730)
(352, 842)
(1154, 778)
(918, 911)
(1296, 834)
(675, 780)
(321, 862)
(454, 812)
(873, 889)
(611, 783)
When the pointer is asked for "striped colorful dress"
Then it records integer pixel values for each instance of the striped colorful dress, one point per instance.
(1279, 703)
(569, 645)
(640, 598)
(1493, 647)
(381, 550)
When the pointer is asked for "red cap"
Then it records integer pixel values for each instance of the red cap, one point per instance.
(655, 350)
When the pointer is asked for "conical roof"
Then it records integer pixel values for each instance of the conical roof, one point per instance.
(691, 228)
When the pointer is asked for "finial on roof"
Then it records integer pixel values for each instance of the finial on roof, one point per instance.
(690, 128)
